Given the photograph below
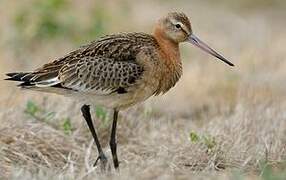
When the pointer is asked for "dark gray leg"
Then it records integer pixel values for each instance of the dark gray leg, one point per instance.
(101, 156)
(112, 142)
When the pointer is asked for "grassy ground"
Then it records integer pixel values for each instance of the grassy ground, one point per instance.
(217, 123)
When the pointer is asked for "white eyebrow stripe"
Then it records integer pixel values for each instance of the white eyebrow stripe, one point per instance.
(174, 22)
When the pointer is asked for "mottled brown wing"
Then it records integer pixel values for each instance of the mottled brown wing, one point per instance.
(105, 65)
(100, 75)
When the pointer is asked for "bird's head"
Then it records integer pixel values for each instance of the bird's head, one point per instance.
(176, 27)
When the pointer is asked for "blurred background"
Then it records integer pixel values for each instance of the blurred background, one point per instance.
(241, 110)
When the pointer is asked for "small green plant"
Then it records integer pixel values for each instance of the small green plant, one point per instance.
(100, 112)
(31, 108)
(102, 115)
(208, 141)
(40, 114)
(35, 111)
(194, 137)
(67, 126)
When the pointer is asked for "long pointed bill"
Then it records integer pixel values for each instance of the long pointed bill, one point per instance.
(200, 44)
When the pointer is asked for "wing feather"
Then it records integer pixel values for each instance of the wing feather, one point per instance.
(100, 75)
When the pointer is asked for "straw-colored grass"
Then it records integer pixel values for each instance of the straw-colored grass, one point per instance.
(217, 123)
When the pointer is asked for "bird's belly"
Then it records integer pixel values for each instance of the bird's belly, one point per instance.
(120, 101)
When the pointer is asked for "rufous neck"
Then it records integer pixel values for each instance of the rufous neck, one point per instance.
(162, 38)
(168, 46)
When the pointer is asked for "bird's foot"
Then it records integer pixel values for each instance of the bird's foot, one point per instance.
(102, 159)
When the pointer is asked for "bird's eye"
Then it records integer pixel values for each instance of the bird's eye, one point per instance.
(178, 26)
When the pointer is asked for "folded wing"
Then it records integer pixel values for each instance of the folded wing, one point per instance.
(100, 75)
(97, 75)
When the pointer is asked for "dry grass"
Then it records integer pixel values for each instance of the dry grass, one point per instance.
(237, 114)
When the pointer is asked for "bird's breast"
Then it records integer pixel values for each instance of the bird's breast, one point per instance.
(169, 76)
(170, 67)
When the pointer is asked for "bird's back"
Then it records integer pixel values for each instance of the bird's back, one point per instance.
(108, 61)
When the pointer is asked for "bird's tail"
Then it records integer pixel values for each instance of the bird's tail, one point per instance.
(32, 79)
(24, 77)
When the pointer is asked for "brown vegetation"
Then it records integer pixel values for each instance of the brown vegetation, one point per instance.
(217, 123)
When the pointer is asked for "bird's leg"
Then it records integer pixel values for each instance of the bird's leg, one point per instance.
(112, 142)
(86, 114)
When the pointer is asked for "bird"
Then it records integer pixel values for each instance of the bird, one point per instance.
(118, 71)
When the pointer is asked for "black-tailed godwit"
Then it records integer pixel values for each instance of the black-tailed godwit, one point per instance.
(118, 71)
